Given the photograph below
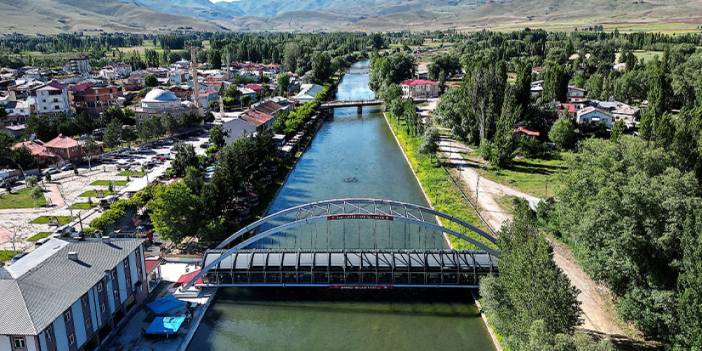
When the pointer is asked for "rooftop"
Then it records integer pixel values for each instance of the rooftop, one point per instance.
(61, 142)
(415, 82)
(42, 285)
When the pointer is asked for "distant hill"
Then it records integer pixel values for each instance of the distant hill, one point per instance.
(44, 16)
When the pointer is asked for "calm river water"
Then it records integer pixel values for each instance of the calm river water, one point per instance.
(351, 156)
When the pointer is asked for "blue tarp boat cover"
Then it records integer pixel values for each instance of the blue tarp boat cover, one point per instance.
(165, 304)
(165, 325)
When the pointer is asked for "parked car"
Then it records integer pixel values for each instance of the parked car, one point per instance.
(50, 170)
(205, 145)
(17, 257)
(67, 167)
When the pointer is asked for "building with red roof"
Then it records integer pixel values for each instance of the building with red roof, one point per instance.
(258, 88)
(39, 151)
(65, 147)
(420, 89)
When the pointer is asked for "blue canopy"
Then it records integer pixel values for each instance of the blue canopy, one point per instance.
(165, 304)
(165, 325)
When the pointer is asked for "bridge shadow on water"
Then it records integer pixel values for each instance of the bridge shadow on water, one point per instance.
(403, 301)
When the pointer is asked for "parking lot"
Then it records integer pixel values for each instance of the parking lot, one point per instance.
(70, 196)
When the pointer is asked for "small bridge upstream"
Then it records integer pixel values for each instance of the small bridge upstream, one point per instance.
(250, 257)
(359, 104)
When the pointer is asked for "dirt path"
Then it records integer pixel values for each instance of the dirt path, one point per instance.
(597, 306)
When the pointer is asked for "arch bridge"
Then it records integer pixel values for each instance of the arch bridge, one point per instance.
(249, 256)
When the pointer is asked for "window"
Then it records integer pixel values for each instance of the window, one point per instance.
(18, 343)
(71, 339)
(67, 316)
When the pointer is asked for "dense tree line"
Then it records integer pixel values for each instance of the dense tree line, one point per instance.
(633, 218)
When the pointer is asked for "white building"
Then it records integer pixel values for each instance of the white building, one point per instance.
(78, 65)
(159, 102)
(308, 92)
(420, 89)
(52, 98)
(576, 94)
(70, 294)
(592, 115)
(116, 71)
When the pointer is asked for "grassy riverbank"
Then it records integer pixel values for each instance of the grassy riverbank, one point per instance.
(442, 193)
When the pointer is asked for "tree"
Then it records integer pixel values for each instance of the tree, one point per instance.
(444, 65)
(217, 136)
(555, 82)
(503, 146)
(90, 148)
(291, 53)
(113, 133)
(627, 211)
(283, 84)
(530, 286)
(22, 157)
(390, 93)
(6, 142)
(174, 211)
(37, 194)
(194, 180)
(562, 133)
(150, 81)
(322, 69)
(185, 157)
(430, 142)
(617, 130)
(84, 122)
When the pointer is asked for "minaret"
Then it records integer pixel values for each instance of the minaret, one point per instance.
(193, 69)
(227, 65)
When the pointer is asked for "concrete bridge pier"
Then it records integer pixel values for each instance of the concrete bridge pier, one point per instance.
(359, 110)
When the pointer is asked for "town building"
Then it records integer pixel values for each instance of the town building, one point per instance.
(67, 148)
(308, 93)
(94, 97)
(593, 115)
(621, 111)
(78, 65)
(70, 294)
(40, 153)
(52, 98)
(576, 94)
(116, 71)
(420, 89)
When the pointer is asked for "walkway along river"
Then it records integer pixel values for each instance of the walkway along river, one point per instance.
(351, 156)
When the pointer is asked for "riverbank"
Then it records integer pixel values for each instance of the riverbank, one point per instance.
(440, 191)
(439, 183)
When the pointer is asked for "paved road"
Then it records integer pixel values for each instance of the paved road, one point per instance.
(597, 305)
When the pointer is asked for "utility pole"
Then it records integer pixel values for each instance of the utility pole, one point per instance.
(193, 70)
(477, 188)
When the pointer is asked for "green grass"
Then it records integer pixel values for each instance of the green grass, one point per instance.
(82, 206)
(95, 193)
(46, 219)
(105, 182)
(129, 173)
(20, 199)
(537, 177)
(6, 255)
(38, 236)
(507, 203)
(437, 184)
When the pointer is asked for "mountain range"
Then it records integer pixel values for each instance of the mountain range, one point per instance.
(50, 16)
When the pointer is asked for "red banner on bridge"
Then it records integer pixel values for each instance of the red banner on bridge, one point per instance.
(359, 216)
(361, 287)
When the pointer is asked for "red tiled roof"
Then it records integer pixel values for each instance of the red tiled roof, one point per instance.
(570, 107)
(80, 86)
(256, 118)
(152, 263)
(185, 278)
(61, 142)
(268, 107)
(414, 82)
(36, 148)
(255, 87)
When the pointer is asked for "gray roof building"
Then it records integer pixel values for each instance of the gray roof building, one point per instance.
(38, 288)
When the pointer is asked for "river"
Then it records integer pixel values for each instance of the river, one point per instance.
(351, 156)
